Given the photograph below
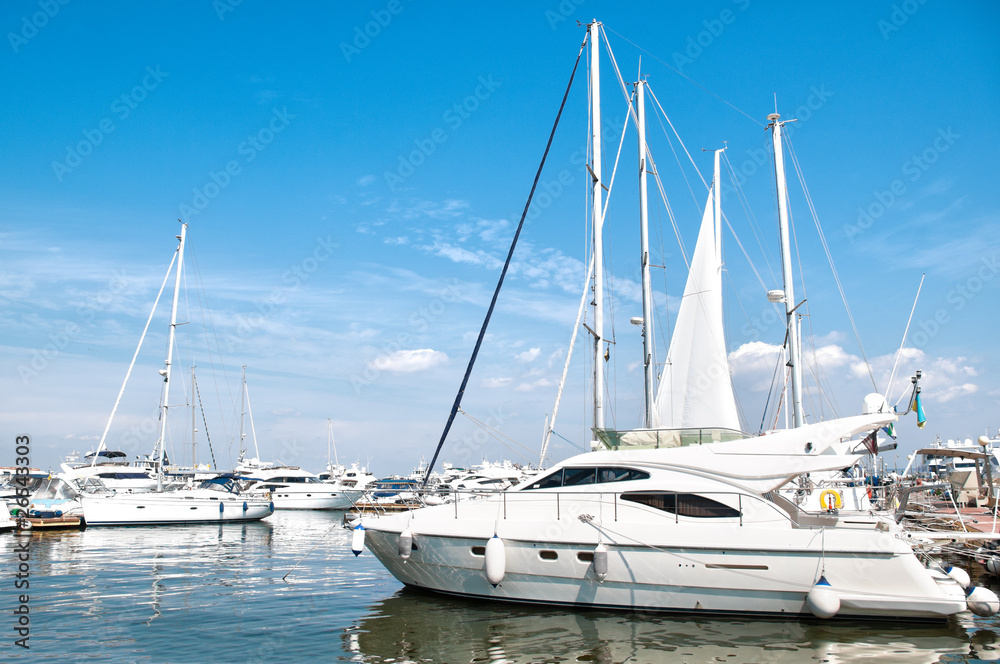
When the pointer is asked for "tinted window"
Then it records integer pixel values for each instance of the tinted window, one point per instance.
(620, 475)
(549, 481)
(684, 504)
(577, 476)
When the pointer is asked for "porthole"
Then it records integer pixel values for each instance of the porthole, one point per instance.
(479, 550)
(585, 556)
(548, 555)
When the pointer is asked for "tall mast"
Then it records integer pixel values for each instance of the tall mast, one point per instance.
(717, 190)
(165, 372)
(647, 294)
(794, 351)
(595, 172)
(243, 411)
(194, 422)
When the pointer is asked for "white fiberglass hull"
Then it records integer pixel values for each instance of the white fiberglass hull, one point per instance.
(172, 507)
(313, 497)
(665, 566)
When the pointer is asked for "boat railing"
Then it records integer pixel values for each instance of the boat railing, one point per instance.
(708, 506)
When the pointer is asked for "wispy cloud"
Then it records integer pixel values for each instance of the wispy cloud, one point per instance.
(529, 355)
(408, 361)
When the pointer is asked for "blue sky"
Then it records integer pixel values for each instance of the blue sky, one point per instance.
(352, 176)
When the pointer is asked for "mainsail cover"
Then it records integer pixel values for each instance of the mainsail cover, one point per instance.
(696, 390)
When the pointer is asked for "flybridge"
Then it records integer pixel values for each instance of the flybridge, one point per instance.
(640, 439)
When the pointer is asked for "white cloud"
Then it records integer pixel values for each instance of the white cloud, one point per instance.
(408, 361)
(529, 355)
(831, 356)
(499, 381)
(954, 391)
(460, 255)
(754, 356)
(418, 209)
(534, 385)
(366, 180)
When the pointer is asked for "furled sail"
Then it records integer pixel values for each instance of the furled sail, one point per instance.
(695, 390)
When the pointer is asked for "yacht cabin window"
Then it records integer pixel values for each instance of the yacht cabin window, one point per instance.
(587, 475)
(683, 504)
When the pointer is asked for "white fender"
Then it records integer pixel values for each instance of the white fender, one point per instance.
(600, 562)
(358, 540)
(823, 600)
(982, 601)
(496, 561)
(993, 565)
(960, 576)
(405, 544)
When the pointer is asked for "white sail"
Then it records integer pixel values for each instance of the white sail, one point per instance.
(695, 390)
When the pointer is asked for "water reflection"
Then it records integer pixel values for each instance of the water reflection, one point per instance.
(209, 593)
(415, 626)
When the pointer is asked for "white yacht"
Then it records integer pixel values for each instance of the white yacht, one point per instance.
(218, 500)
(488, 477)
(684, 513)
(697, 529)
(939, 460)
(293, 488)
(6, 522)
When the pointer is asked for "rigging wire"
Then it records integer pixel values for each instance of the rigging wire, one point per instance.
(497, 435)
(211, 334)
(128, 373)
(754, 225)
(895, 365)
(678, 72)
(208, 436)
(503, 273)
(829, 257)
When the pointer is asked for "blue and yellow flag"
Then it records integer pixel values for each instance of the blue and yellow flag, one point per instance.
(919, 407)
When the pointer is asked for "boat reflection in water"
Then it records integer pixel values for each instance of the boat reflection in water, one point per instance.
(413, 625)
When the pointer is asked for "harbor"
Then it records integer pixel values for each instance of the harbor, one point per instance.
(184, 587)
(429, 334)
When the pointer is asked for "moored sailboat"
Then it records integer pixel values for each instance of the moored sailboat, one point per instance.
(206, 503)
(670, 523)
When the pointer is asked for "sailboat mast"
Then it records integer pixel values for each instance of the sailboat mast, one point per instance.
(717, 190)
(243, 411)
(165, 372)
(647, 294)
(794, 351)
(194, 423)
(595, 172)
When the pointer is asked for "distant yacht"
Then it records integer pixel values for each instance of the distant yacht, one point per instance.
(293, 488)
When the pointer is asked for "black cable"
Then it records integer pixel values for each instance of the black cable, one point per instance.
(503, 273)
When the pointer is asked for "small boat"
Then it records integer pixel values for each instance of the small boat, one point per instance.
(37, 524)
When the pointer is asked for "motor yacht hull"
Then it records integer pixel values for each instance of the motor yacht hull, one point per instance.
(665, 565)
(172, 507)
(313, 497)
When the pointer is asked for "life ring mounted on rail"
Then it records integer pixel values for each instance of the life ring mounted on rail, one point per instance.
(831, 500)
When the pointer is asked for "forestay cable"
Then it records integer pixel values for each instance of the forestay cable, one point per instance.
(503, 273)
(131, 365)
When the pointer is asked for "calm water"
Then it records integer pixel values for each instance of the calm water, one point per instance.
(211, 594)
